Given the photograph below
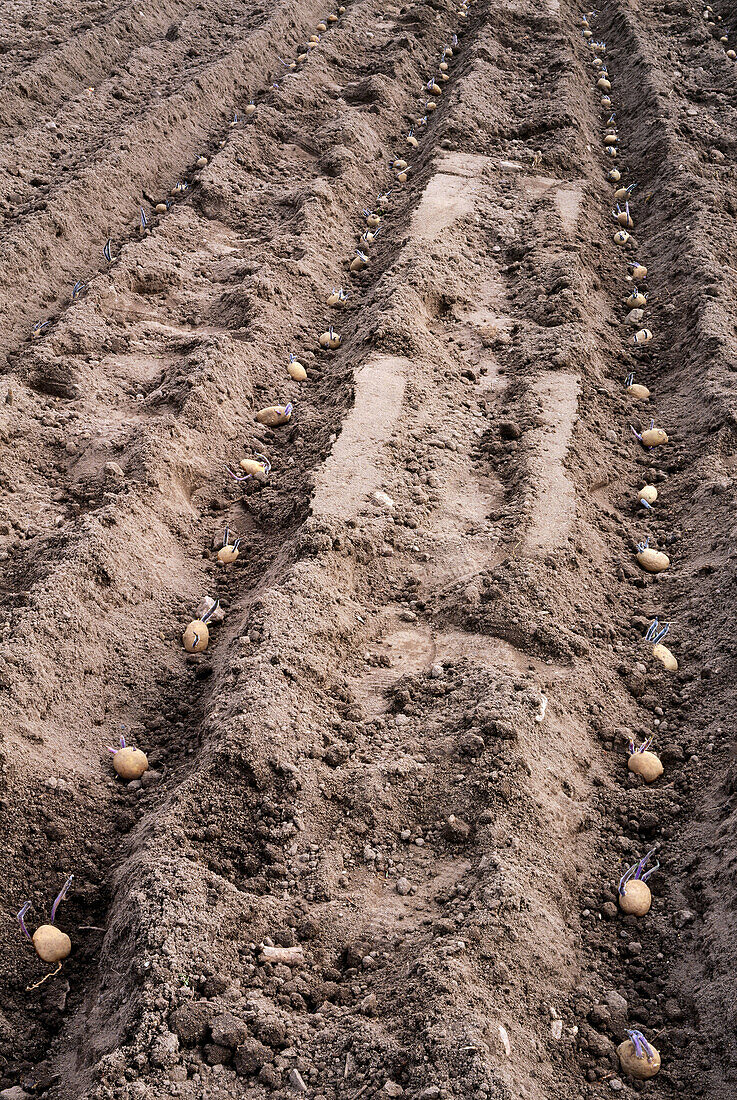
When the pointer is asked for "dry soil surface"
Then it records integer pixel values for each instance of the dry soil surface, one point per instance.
(377, 850)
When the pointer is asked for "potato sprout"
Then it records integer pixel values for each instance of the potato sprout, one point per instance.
(655, 633)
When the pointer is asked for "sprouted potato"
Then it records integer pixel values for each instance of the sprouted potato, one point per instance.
(275, 415)
(229, 551)
(296, 370)
(647, 495)
(635, 389)
(129, 762)
(633, 892)
(652, 561)
(337, 296)
(196, 636)
(643, 762)
(51, 945)
(330, 339)
(652, 436)
(637, 1057)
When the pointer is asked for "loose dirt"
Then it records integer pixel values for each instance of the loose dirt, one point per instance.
(402, 759)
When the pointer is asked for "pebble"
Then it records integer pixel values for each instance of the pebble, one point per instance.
(391, 1088)
(383, 500)
(403, 886)
(112, 469)
(296, 1081)
(615, 1084)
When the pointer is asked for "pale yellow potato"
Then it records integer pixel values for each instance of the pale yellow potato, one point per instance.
(51, 945)
(130, 763)
(636, 899)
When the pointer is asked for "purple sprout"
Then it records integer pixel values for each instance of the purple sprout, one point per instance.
(642, 546)
(60, 897)
(226, 538)
(21, 920)
(208, 614)
(122, 746)
(144, 219)
(644, 747)
(655, 633)
(637, 872)
(641, 1045)
(21, 915)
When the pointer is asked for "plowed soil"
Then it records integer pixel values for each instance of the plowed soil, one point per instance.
(377, 849)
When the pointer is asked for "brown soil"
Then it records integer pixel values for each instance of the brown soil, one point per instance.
(403, 757)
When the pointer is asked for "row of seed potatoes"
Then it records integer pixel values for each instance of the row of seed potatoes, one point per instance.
(717, 27)
(51, 944)
(637, 1056)
(129, 762)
